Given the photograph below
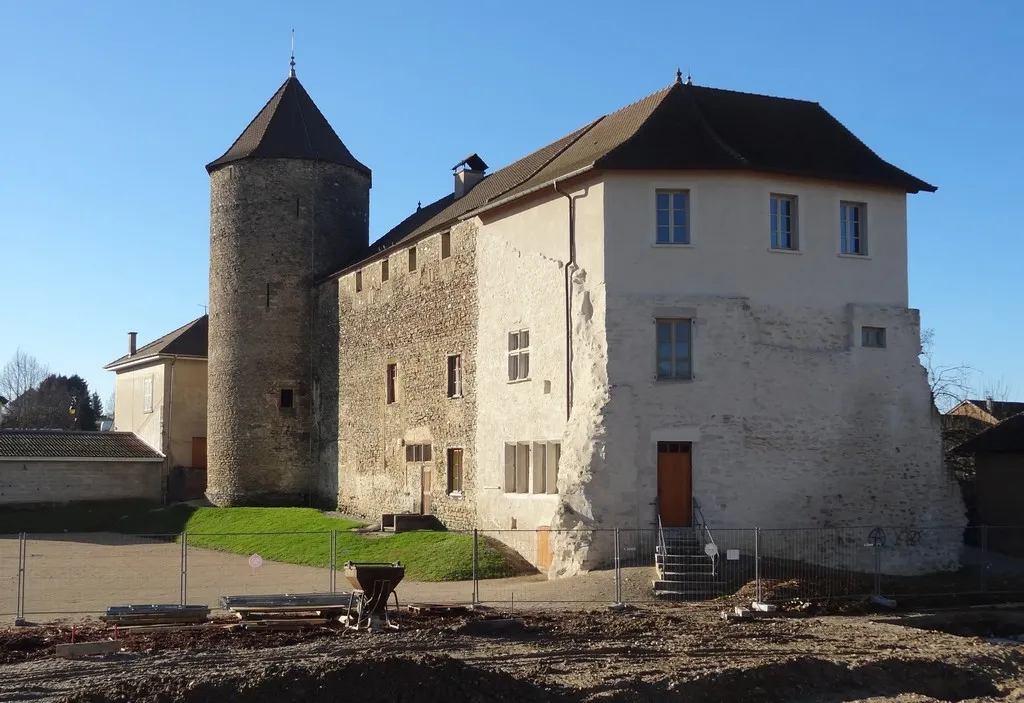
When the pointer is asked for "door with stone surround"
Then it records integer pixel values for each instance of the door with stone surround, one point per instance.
(675, 484)
(425, 485)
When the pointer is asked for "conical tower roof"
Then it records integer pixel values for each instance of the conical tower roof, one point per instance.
(290, 126)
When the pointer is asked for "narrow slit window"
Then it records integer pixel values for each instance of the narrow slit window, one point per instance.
(268, 296)
(385, 273)
(359, 281)
(296, 207)
(392, 374)
(412, 258)
(287, 397)
(446, 244)
(455, 376)
(455, 470)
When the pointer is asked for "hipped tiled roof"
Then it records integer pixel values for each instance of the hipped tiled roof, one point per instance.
(682, 127)
(60, 444)
(188, 340)
(290, 126)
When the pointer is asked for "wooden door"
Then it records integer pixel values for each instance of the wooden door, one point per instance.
(543, 548)
(199, 452)
(425, 505)
(675, 484)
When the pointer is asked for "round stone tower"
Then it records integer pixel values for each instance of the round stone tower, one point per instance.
(289, 204)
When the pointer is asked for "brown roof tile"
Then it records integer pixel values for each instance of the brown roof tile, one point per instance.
(290, 126)
(682, 127)
(60, 444)
(188, 340)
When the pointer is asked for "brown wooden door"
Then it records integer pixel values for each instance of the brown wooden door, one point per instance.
(199, 452)
(543, 548)
(425, 505)
(675, 484)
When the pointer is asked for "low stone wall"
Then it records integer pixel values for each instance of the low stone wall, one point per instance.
(27, 482)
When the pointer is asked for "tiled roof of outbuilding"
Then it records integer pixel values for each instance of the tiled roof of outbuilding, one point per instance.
(190, 339)
(61, 444)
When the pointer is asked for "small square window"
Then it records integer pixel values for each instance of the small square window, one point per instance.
(673, 216)
(385, 273)
(853, 235)
(287, 397)
(359, 281)
(872, 337)
(391, 378)
(446, 244)
(412, 258)
(782, 209)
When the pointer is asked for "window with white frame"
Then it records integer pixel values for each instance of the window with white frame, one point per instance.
(517, 467)
(519, 355)
(673, 216)
(783, 216)
(853, 233)
(872, 337)
(455, 376)
(147, 394)
(545, 466)
(674, 349)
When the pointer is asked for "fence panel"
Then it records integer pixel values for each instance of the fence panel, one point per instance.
(253, 563)
(84, 573)
(818, 563)
(9, 562)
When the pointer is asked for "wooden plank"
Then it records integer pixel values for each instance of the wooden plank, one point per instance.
(82, 649)
(435, 609)
(154, 629)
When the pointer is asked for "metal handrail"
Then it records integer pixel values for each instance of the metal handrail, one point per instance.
(661, 541)
(700, 524)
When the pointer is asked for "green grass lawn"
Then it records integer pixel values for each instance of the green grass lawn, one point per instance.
(303, 537)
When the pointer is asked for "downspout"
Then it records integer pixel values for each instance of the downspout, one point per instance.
(167, 432)
(568, 299)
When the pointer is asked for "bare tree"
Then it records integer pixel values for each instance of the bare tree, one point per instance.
(950, 384)
(22, 374)
(109, 407)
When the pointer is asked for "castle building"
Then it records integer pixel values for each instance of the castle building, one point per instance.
(697, 304)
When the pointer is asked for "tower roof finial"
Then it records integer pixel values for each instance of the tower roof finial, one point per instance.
(291, 64)
(689, 79)
(679, 76)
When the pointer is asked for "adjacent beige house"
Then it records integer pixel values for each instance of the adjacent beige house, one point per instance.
(160, 393)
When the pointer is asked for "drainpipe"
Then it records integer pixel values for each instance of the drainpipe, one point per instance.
(568, 299)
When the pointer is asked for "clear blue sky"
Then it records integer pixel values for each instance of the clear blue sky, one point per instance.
(110, 110)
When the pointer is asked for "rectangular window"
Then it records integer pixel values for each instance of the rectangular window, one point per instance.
(554, 455)
(446, 244)
(673, 216)
(455, 376)
(783, 216)
(455, 471)
(384, 272)
(519, 355)
(147, 394)
(539, 458)
(287, 397)
(545, 467)
(675, 358)
(359, 281)
(392, 376)
(517, 467)
(872, 337)
(417, 452)
(853, 228)
(412, 258)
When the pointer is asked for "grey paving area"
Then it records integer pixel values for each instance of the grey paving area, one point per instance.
(76, 575)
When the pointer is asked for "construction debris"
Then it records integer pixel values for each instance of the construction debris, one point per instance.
(764, 607)
(167, 614)
(287, 611)
(83, 649)
(435, 609)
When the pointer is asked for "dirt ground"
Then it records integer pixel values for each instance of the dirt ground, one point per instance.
(659, 653)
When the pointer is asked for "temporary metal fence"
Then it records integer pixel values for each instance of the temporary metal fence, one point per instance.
(51, 576)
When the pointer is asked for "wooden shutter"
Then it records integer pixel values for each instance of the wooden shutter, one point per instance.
(554, 455)
(539, 461)
(510, 468)
(523, 468)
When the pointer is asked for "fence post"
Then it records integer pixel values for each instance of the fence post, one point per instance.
(183, 597)
(476, 583)
(984, 558)
(19, 606)
(757, 563)
(332, 568)
(618, 569)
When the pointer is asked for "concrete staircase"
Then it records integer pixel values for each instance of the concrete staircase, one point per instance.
(684, 571)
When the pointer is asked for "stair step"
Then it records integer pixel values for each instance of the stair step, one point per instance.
(682, 558)
(689, 586)
(675, 551)
(700, 576)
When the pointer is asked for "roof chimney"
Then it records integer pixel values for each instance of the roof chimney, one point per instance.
(468, 173)
(990, 404)
(131, 343)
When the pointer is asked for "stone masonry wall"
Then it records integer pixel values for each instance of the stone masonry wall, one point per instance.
(276, 225)
(415, 320)
(49, 481)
